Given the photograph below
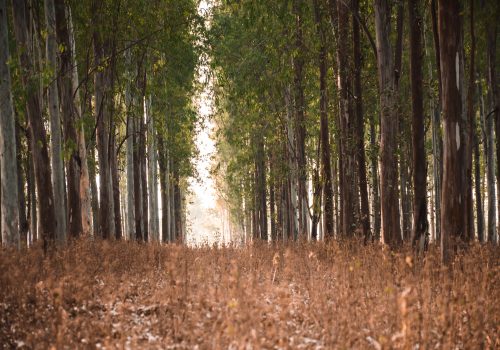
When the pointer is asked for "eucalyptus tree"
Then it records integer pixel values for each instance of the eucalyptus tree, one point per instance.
(59, 224)
(9, 214)
(391, 229)
(452, 204)
(38, 135)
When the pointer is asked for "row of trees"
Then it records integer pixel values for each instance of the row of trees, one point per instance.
(329, 125)
(96, 118)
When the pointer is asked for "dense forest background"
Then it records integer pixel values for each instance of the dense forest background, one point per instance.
(332, 118)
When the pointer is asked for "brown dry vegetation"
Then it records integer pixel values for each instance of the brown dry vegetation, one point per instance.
(311, 296)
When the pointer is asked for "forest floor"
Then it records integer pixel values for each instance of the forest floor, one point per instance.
(303, 296)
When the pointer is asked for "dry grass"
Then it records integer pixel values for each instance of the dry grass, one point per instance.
(311, 296)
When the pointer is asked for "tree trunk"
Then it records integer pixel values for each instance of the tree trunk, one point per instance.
(420, 224)
(177, 205)
(69, 114)
(292, 184)
(300, 127)
(469, 204)
(32, 214)
(324, 142)
(375, 180)
(9, 205)
(38, 144)
(452, 205)
(130, 164)
(84, 178)
(391, 230)
(115, 187)
(477, 172)
(437, 142)
(164, 190)
(347, 124)
(360, 124)
(23, 221)
(102, 116)
(144, 174)
(494, 93)
(152, 176)
(137, 183)
(58, 181)
(93, 188)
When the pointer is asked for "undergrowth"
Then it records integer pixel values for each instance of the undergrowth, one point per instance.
(99, 294)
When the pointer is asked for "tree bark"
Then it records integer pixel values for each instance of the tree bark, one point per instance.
(137, 183)
(324, 142)
(38, 144)
(437, 142)
(9, 205)
(494, 93)
(300, 127)
(347, 124)
(23, 221)
(420, 224)
(360, 124)
(391, 230)
(470, 132)
(102, 116)
(55, 125)
(452, 205)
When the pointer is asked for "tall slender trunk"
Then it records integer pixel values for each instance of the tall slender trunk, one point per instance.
(32, 214)
(144, 174)
(437, 142)
(470, 132)
(324, 142)
(360, 124)
(102, 116)
(452, 205)
(9, 205)
(478, 135)
(164, 190)
(93, 188)
(84, 185)
(388, 95)
(420, 224)
(260, 189)
(69, 114)
(55, 124)
(177, 205)
(137, 183)
(152, 176)
(292, 184)
(375, 180)
(494, 92)
(115, 187)
(347, 124)
(23, 221)
(300, 127)
(130, 163)
(38, 144)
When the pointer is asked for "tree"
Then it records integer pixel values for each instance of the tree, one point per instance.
(55, 125)
(69, 116)
(38, 138)
(420, 224)
(360, 123)
(326, 171)
(9, 220)
(452, 205)
(391, 230)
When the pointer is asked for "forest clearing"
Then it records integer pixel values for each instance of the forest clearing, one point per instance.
(302, 296)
